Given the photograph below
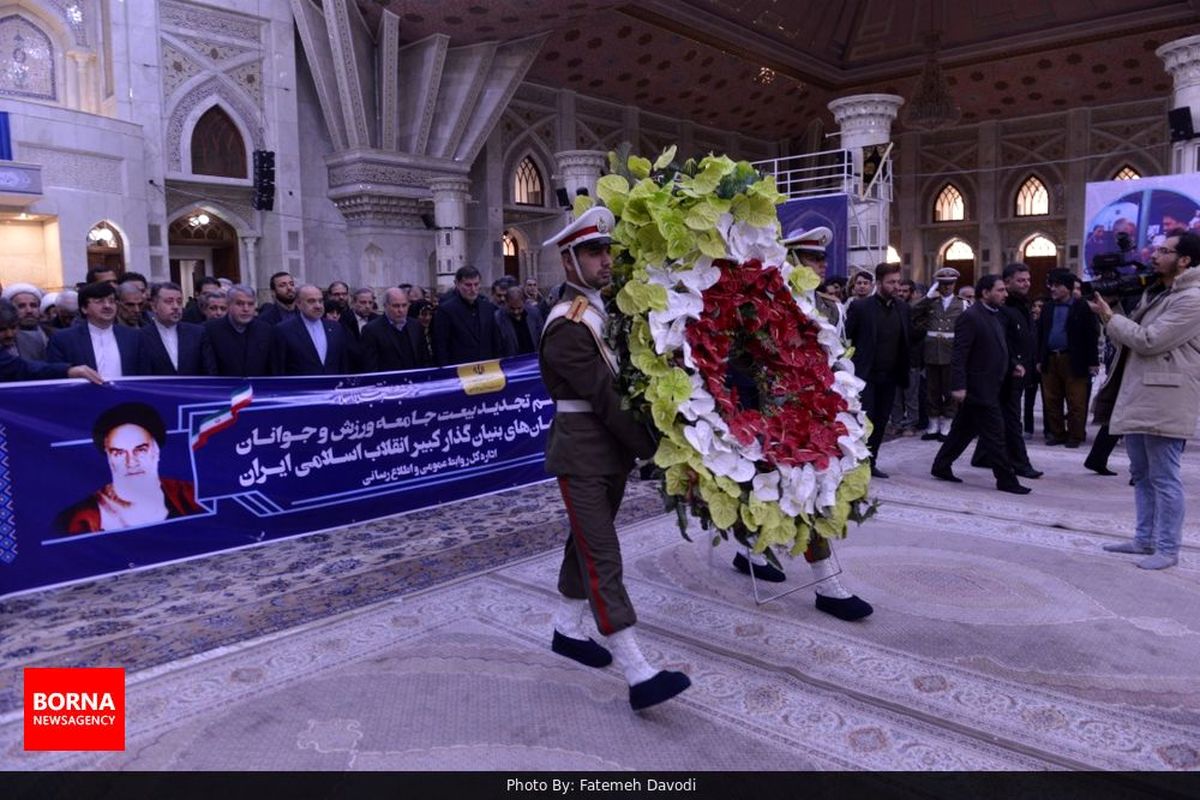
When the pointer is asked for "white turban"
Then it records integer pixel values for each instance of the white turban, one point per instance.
(15, 289)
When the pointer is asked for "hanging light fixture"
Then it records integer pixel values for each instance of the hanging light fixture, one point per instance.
(932, 106)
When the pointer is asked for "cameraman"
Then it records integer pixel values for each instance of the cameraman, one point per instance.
(1157, 375)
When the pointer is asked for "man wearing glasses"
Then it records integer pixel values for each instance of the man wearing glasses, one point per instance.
(1156, 384)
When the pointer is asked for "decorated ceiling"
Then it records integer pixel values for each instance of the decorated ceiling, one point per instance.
(767, 68)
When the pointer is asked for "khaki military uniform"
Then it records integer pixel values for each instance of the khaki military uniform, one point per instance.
(937, 323)
(592, 446)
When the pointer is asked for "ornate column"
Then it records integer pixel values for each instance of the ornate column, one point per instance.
(1181, 58)
(866, 119)
(80, 92)
(249, 263)
(580, 169)
(450, 196)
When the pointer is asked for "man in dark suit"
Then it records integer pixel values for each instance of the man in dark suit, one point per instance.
(1022, 346)
(879, 327)
(114, 351)
(392, 341)
(464, 328)
(1068, 357)
(14, 367)
(238, 345)
(169, 346)
(283, 306)
(978, 370)
(310, 344)
(519, 323)
(360, 310)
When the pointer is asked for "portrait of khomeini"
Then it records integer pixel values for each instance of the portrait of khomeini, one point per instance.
(130, 437)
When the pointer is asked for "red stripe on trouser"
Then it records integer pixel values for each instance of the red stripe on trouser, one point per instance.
(593, 578)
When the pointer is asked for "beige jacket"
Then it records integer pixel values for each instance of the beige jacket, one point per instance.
(1160, 389)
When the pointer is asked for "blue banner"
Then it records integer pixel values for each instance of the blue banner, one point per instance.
(102, 479)
(830, 212)
(5, 138)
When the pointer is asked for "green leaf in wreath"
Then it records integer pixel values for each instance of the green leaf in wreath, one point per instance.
(639, 167)
(754, 210)
(611, 187)
(582, 203)
(636, 297)
(666, 158)
(669, 454)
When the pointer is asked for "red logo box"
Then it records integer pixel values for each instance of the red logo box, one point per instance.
(74, 709)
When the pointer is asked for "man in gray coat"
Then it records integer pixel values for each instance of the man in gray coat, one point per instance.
(1158, 374)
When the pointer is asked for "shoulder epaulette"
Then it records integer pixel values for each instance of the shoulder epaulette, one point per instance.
(578, 308)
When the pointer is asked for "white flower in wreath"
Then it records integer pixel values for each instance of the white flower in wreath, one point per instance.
(701, 403)
(798, 490)
(667, 327)
(746, 242)
(766, 486)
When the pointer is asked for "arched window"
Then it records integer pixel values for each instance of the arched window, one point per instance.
(217, 146)
(949, 205)
(527, 184)
(959, 251)
(1032, 198)
(1126, 173)
(509, 244)
(1040, 246)
(893, 255)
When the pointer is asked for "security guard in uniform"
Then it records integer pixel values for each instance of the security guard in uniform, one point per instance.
(807, 248)
(935, 316)
(592, 447)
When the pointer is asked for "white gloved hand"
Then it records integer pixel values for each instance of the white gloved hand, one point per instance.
(933, 290)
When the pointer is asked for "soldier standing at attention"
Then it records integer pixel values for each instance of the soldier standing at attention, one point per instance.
(935, 316)
(592, 447)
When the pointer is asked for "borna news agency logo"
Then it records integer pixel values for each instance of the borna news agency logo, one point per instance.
(74, 709)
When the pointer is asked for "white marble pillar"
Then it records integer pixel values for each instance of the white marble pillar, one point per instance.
(580, 169)
(249, 265)
(450, 195)
(866, 119)
(1181, 58)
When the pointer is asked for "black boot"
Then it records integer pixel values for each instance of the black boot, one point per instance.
(849, 608)
(762, 572)
(585, 651)
(663, 686)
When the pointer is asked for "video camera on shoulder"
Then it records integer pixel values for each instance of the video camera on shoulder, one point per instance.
(1118, 274)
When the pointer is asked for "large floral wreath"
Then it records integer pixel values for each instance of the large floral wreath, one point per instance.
(762, 432)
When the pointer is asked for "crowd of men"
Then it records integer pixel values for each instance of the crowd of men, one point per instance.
(123, 326)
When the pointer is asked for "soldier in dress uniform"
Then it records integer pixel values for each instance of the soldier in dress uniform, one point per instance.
(592, 447)
(935, 316)
(808, 250)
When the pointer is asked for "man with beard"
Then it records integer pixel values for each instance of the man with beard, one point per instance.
(878, 326)
(519, 322)
(170, 346)
(31, 339)
(1022, 344)
(283, 288)
(464, 328)
(591, 448)
(310, 344)
(130, 436)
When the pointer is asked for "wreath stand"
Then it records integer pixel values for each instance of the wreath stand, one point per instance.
(758, 598)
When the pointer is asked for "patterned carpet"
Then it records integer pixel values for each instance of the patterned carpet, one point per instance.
(142, 619)
(998, 643)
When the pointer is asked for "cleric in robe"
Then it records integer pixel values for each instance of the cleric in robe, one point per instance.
(130, 436)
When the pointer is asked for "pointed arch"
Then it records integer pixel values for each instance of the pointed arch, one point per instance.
(1126, 173)
(191, 105)
(956, 249)
(1037, 245)
(949, 205)
(217, 145)
(1032, 198)
(528, 186)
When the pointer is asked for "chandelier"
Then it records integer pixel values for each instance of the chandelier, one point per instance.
(932, 107)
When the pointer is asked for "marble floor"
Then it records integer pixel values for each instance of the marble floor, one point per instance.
(1004, 638)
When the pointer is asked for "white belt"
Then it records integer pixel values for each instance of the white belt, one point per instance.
(573, 406)
(941, 334)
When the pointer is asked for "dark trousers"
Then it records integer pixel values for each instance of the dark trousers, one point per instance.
(1102, 447)
(877, 398)
(1031, 392)
(1059, 386)
(591, 566)
(937, 383)
(986, 422)
(1014, 442)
